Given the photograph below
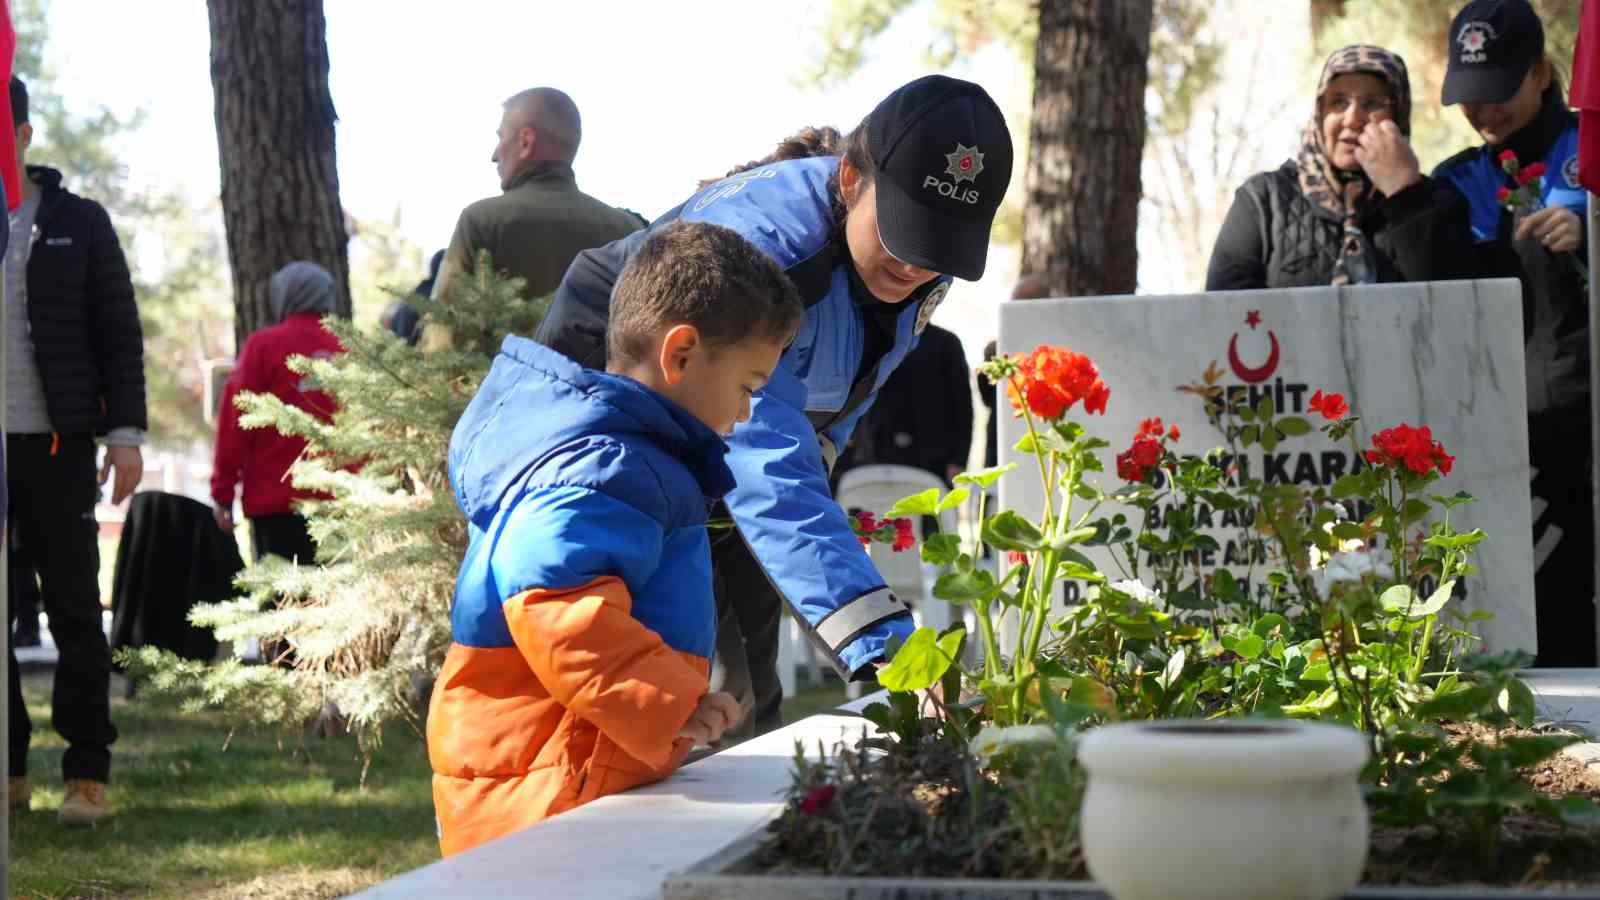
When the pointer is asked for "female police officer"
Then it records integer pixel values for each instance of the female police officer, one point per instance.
(871, 237)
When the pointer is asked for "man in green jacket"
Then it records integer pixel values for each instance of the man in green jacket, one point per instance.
(541, 221)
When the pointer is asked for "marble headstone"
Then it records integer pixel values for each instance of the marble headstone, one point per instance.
(1443, 354)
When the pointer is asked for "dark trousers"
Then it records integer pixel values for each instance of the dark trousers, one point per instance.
(24, 588)
(1563, 543)
(287, 536)
(749, 613)
(52, 509)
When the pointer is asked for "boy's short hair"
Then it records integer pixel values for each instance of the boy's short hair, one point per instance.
(708, 276)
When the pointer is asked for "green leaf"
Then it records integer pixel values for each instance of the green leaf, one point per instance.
(1454, 500)
(1245, 413)
(1173, 670)
(941, 549)
(918, 665)
(1436, 600)
(953, 499)
(1250, 646)
(1269, 438)
(1398, 598)
(1315, 706)
(1521, 752)
(1457, 541)
(1464, 702)
(1293, 426)
(1009, 531)
(1516, 699)
(1318, 671)
(1139, 627)
(984, 478)
(1264, 408)
(1264, 625)
(1348, 486)
(1249, 434)
(1076, 571)
(1348, 531)
(1075, 536)
(925, 503)
(1189, 598)
(964, 587)
(1574, 810)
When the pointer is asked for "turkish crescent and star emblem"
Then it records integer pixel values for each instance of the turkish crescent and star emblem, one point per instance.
(964, 163)
(1257, 374)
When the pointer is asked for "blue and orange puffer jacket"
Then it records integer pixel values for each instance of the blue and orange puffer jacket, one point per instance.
(583, 618)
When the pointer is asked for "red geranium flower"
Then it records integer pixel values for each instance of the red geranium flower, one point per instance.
(1016, 557)
(818, 799)
(904, 539)
(1413, 448)
(1135, 463)
(1051, 380)
(1173, 434)
(1331, 406)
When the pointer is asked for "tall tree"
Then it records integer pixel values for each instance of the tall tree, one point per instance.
(1086, 140)
(275, 123)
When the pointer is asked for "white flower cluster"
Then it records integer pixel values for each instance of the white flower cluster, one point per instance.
(1353, 566)
(1138, 591)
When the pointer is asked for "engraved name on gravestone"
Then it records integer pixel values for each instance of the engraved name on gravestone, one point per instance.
(1443, 354)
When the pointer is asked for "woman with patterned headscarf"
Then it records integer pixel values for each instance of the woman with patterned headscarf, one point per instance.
(1353, 207)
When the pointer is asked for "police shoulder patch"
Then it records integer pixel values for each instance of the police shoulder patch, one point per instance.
(929, 304)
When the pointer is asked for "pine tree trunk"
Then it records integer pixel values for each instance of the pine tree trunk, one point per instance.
(1087, 139)
(275, 119)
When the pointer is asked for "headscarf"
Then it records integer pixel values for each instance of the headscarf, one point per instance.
(300, 287)
(1348, 195)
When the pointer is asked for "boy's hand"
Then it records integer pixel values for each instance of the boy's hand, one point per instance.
(716, 713)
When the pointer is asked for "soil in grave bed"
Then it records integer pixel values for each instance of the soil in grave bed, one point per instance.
(929, 816)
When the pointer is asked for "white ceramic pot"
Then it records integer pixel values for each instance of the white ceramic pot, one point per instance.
(1224, 809)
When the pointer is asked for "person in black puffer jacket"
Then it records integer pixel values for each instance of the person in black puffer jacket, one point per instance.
(75, 374)
(1353, 207)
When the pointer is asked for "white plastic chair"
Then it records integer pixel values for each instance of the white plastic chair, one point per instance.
(876, 488)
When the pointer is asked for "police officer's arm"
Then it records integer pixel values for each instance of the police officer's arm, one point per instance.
(1429, 236)
(785, 511)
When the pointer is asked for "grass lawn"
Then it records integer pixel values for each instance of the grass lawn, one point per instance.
(192, 821)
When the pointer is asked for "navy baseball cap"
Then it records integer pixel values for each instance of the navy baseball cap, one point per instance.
(1493, 44)
(943, 153)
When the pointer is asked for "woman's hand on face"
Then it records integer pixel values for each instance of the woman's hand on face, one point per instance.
(1557, 227)
(1387, 158)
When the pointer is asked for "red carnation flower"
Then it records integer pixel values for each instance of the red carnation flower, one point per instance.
(1536, 170)
(1331, 406)
(1503, 194)
(818, 799)
(1508, 156)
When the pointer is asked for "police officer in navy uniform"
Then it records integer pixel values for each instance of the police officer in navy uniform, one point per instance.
(1508, 89)
(871, 237)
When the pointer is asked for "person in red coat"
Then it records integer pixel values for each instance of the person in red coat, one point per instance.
(301, 294)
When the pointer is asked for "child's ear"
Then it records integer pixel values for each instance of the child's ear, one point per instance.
(678, 347)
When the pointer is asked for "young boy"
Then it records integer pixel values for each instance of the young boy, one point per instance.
(584, 619)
